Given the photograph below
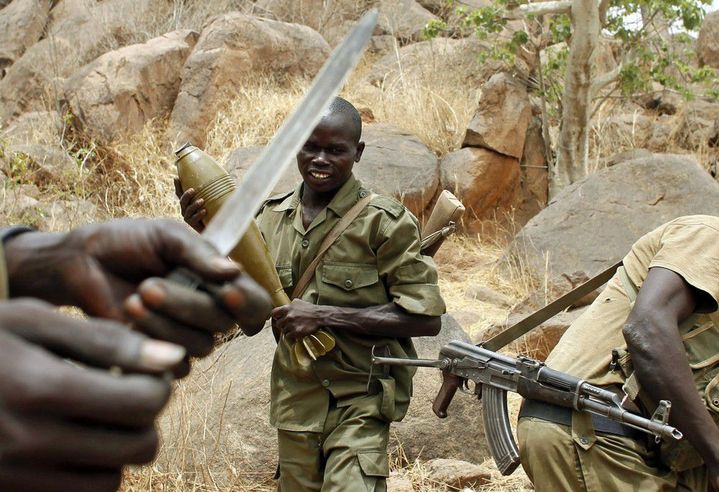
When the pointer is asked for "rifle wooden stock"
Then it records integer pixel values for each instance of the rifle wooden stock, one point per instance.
(448, 209)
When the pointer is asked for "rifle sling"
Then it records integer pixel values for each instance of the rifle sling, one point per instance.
(538, 317)
(329, 239)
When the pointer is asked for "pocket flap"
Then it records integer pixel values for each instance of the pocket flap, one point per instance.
(374, 463)
(285, 275)
(349, 276)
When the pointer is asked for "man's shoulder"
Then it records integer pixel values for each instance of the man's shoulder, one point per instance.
(394, 208)
(276, 199)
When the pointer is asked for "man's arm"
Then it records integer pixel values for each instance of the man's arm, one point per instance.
(652, 334)
(107, 269)
(301, 318)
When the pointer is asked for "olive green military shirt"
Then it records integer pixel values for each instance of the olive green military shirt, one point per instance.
(375, 261)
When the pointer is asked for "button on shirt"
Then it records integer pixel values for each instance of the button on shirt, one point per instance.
(375, 261)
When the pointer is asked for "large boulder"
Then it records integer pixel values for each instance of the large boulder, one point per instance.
(231, 49)
(241, 159)
(229, 395)
(23, 204)
(487, 183)
(35, 80)
(397, 163)
(35, 126)
(21, 25)
(696, 124)
(534, 172)
(593, 222)
(708, 41)
(403, 19)
(122, 90)
(502, 117)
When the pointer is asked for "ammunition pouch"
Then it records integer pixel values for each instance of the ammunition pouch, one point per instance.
(700, 335)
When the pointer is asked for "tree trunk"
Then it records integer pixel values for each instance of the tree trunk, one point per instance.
(573, 144)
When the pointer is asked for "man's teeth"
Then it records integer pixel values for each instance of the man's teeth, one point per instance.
(318, 175)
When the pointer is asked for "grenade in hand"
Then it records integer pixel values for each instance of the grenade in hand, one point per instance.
(201, 172)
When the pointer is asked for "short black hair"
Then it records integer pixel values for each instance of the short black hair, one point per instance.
(343, 107)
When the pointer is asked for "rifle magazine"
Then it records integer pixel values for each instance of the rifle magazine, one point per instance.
(499, 433)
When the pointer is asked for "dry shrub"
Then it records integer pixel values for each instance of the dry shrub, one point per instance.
(254, 114)
(429, 103)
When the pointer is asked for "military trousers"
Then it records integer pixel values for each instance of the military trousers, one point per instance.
(350, 454)
(576, 459)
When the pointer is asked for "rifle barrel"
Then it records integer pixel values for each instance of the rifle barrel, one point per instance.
(394, 361)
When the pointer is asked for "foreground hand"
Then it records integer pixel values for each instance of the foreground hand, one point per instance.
(713, 470)
(67, 426)
(192, 208)
(105, 269)
(298, 319)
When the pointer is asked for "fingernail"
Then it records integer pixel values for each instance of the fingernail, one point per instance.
(160, 356)
(225, 264)
(234, 298)
(152, 293)
(134, 307)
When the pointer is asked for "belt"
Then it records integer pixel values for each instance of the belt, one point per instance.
(563, 416)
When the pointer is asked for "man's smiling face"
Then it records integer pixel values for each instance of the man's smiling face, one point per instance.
(326, 160)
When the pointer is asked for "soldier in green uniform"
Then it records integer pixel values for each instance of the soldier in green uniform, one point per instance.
(652, 334)
(74, 426)
(372, 288)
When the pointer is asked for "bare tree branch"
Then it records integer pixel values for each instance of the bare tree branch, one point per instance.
(541, 8)
(601, 81)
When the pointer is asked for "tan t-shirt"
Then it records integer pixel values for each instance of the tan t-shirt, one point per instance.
(688, 246)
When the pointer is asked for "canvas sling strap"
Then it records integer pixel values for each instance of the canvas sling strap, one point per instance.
(540, 316)
(327, 242)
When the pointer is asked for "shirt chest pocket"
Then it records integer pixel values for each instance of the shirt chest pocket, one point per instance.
(350, 285)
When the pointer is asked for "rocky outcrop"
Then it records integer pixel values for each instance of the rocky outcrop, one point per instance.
(122, 90)
(44, 164)
(403, 19)
(21, 25)
(231, 48)
(534, 172)
(502, 117)
(34, 127)
(22, 205)
(241, 159)
(487, 183)
(593, 222)
(398, 164)
(230, 389)
(73, 40)
(696, 124)
(708, 41)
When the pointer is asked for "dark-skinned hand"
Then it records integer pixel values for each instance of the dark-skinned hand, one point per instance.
(192, 208)
(113, 270)
(713, 470)
(74, 425)
(298, 319)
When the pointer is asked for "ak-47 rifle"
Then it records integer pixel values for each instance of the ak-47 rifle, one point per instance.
(494, 374)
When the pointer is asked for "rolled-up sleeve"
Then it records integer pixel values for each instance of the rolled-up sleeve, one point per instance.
(410, 277)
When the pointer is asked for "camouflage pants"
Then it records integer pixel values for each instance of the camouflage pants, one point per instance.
(559, 458)
(349, 455)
